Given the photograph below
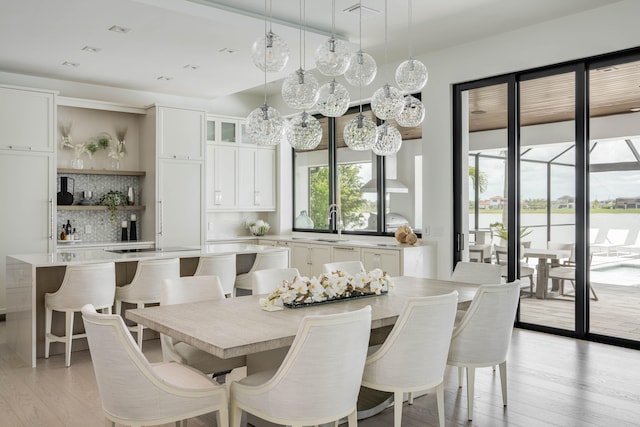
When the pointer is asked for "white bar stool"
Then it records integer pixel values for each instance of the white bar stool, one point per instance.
(223, 266)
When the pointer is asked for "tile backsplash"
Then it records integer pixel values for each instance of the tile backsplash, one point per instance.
(99, 223)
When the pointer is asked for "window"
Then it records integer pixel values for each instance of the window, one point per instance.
(332, 173)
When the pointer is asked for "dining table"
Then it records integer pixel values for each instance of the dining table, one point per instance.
(547, 258)
(239, 326)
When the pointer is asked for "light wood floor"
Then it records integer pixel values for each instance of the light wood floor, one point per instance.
(553, 381)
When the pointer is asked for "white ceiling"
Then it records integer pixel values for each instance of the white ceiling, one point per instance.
(38, 36)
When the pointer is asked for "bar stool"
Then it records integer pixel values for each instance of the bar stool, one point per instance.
(82, 284)
(264, 260)
(223, 266)
(145, 287)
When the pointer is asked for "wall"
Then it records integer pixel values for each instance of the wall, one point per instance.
(597, 31)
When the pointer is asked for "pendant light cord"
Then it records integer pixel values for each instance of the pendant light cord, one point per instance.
(360, 43)
(333, 19)
(410, 13)
(266, 42)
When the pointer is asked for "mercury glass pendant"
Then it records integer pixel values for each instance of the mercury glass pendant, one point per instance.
(265, 126)
(387, 102)
(362, 69)
(333, 57)
(411, 75)
(412, 114)
(300, 90)
(388, 141)
(333, 99)
(303, 131)
(270, 53)
(360, 133)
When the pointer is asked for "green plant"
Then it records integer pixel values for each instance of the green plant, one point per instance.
(91, 148)
(499, 230)
(103, 142)
(113, 199)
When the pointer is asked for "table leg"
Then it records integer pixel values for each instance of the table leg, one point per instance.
(543, 278)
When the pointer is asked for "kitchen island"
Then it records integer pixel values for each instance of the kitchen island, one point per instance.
(29, 277)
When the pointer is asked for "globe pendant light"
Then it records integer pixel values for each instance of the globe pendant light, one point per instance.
(300, 89)
(333, 99)
(388, 141)
(264, 124)
(411, 75)
(362, 67)
(360, 133)
(332, 57)
(387, 102)
(270, 52)
(303, 131)
(412, 113)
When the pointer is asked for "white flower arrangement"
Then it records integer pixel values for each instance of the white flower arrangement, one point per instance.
(258, 228)
(303, 291)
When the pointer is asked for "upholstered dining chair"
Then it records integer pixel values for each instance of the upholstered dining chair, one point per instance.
(482, 338)
(478, 273)
(414, 355)
(349, 267)
(270, 279)
(145, 287)
(223, 266)
(193, 289)
(82, 284)
(137, 393)
(319, 379)
(263, 261)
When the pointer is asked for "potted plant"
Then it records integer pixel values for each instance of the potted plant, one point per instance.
(113, 199)
(499, 230)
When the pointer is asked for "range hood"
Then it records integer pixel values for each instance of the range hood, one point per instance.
(392, 184)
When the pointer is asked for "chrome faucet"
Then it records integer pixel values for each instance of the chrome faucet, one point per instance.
(334, 208)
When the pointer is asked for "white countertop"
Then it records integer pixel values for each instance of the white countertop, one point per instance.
(97, 255)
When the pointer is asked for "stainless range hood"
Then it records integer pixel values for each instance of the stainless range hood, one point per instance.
(392, 184)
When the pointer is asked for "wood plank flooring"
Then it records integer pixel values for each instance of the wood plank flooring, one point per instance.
(552, 381)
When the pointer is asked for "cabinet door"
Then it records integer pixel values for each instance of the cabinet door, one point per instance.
(345, 253)
(180, 203)
(384, 259)
(300, 259)
(181, 133)
(27, 207)
(222, 169)
(320, 255)
(256, 179)
(26, 120)
(266, 178)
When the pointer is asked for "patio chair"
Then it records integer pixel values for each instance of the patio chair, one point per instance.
(567, 272)
(635, 247)
(615, 239)
(525, 270)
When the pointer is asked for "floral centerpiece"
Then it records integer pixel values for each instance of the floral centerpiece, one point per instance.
(259, 227)
(328, 287)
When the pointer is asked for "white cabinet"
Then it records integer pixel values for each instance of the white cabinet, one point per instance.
(223, 129)
(180, 133)
(309, 258)
(385, 259)
(345, 253)
(27, 120)
(256, 178)
(180, 192)
(222, 178)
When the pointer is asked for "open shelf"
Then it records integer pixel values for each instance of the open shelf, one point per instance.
(98, 208)
(101, 172)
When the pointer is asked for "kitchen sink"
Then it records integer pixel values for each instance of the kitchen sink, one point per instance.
(331, 240)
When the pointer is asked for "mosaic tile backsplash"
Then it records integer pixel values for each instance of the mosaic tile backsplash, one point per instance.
(102, 228)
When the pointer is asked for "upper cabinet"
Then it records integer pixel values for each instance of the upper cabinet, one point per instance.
(26, 119)
(257, 178)
(181, 133)
(224, 129)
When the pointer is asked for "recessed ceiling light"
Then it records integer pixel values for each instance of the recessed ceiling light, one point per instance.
(634, 109)
(71, 64)
(366, 11)
(166, 78)
(191, 67)
(119, 29)
(227, 50)
(91, 49)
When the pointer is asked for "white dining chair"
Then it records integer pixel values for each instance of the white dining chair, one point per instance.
(319, 379)
(263, 261)
(525, 270)
(414, 355)
(477, 273)
(194, 289)
(223, 266)
(145, 287)
(348, 267)
(482, 338)
(82, 284)
(137, 393)
(270, 279)
(567, 272)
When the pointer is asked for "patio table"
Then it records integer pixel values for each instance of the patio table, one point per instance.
(543, 254)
